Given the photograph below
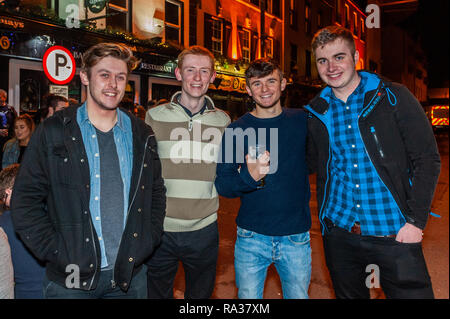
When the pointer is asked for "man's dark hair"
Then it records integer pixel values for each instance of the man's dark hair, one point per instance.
(261, 68)
(53, 99)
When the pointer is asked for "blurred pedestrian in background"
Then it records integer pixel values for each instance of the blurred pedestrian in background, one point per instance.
(7, 116)
(28, 270)
(14, 149)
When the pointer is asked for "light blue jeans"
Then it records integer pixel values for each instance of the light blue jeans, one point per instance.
(254, 253)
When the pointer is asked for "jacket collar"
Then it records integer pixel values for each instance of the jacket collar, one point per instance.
(83, 114)
(373, 81)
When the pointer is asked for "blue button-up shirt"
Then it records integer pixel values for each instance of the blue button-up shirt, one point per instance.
(357, 193)
(123, 138)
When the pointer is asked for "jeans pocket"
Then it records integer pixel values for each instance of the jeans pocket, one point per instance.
(49, 288)
(299, 239)
(244, 233)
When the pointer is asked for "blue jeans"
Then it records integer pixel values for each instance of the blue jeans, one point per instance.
(254, 253)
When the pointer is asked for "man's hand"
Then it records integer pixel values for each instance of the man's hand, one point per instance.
(409, 234)
(258, 168)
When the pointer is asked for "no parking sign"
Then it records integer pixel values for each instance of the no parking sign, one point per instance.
(59, 65)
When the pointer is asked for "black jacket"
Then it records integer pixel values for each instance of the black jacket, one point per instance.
(399, 141)
(50, 202)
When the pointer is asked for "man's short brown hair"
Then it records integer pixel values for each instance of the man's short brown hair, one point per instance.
(196, 50)
(330, 34)
(102, 50)
(53, 99)
(262, 67)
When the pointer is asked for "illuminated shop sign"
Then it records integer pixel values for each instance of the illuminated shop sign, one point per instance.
(16, 24)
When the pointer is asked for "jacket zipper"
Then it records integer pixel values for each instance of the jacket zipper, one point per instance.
(374, 167)
(113, 282)
(324, 201)
(190, 123)
(377, 142)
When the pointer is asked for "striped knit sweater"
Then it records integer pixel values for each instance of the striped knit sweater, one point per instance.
(188, 148)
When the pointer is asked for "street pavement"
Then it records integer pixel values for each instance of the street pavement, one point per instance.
(435, 247)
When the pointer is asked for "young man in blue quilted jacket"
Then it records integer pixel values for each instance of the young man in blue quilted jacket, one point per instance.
(377, 168)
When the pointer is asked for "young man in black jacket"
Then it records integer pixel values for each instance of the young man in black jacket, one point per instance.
(377, 167)
(89, 199)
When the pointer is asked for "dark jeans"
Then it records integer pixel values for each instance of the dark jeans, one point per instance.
(197, 251)
(403, 273)
(137, 290)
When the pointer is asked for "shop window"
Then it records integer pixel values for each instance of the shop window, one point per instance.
(163, 91)
(246, 45)
(319, 20)
(269, 47)
(293, 54)
(273, 7)
(308, 63)
(173, 21)
(362, 30)
(307, 18)
(217, 36)
(118, 15)
(347, 16)
(293, 20)
(339, 11)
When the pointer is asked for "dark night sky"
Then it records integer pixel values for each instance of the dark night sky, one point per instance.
(430, 24)
(433, 27)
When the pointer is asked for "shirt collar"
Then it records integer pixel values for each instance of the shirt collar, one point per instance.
(84, 118)
(360, 89)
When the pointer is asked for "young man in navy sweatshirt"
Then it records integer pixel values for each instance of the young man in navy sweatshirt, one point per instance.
(274, 219)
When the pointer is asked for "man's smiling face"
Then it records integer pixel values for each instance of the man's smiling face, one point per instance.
(336, 65)
(196, 75)
(106, 83)
(266, 91)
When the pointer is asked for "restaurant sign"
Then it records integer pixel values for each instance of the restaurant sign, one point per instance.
(231, 83)
(13, 23)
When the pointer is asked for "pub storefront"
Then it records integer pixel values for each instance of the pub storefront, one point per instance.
(24, 42)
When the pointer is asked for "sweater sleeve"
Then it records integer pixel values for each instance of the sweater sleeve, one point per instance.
(233, 179)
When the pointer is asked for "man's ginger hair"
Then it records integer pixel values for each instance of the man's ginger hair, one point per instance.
(196, 50)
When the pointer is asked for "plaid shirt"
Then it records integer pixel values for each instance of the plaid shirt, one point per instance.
(357, 194)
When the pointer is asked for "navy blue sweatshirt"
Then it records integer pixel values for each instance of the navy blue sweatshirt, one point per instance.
(281, 206)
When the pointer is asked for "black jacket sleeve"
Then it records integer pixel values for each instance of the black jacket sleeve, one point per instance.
(158, 194)
(422, 150)
(28, 209)
(311, 150)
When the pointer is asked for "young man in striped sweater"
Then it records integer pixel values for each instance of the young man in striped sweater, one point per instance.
(188, 131)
